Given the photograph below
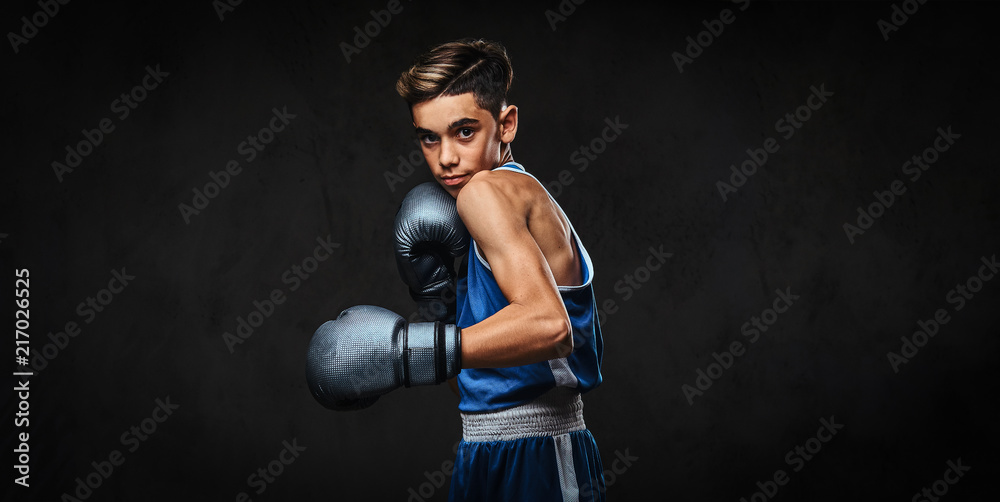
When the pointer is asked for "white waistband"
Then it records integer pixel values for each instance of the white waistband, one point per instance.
(556, 412)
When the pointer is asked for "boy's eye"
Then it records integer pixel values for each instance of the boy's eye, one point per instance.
(428, 138)
(465, 133)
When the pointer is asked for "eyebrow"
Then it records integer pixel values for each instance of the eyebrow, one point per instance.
(458, 123)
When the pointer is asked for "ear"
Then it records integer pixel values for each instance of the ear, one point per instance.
(508, 123)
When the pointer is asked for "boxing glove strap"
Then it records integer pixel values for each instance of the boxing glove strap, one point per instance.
(441, 359)
(432, 353)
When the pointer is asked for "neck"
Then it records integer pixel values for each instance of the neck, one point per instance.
(506, 155)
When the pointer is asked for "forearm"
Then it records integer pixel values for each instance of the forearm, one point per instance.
(517, 335)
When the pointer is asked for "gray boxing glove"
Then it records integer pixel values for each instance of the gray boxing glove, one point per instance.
(429, 236)
(368, 351)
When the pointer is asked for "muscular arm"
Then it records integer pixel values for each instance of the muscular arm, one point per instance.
(534, 327)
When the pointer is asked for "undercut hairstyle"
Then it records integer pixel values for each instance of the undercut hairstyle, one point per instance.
(477, 66)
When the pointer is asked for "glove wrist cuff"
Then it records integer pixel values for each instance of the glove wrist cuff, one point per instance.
(432, 353)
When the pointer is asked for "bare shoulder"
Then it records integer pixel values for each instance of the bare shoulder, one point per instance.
(489, 190)
(511, 216)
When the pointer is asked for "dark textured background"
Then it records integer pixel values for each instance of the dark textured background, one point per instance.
(653, 186)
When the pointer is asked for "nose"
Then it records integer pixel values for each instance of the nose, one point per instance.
(449, 155)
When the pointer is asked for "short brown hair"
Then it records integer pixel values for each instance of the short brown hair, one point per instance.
(478, 66)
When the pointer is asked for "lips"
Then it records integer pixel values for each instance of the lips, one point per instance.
(453, 180)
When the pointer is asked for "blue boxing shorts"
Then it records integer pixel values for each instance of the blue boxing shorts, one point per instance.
(539, 451)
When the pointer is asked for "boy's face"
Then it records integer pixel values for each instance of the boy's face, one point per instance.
(458, 138)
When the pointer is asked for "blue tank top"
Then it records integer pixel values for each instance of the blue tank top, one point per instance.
(479, 297)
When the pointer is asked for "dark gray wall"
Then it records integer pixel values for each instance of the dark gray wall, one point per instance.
(654, 186)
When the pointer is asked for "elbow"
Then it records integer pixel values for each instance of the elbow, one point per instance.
(560, 335)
